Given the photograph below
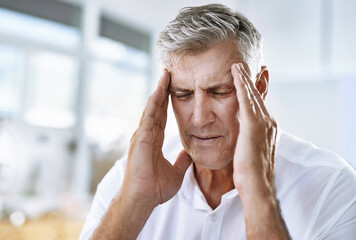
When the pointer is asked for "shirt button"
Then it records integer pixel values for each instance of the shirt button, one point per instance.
(213, 217)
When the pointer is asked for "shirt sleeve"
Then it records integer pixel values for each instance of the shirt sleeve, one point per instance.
(107, 189)
(337, 216)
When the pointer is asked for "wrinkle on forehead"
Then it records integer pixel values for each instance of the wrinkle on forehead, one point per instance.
(206, 68)
(225, 83)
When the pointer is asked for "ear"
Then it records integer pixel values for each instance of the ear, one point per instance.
(262, 81)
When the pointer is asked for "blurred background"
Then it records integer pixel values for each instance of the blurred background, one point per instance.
(75, 75)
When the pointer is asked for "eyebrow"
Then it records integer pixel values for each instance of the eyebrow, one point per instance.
(178, 89)
(213, 87)
(222, 85)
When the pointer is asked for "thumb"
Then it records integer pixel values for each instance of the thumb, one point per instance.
(182, 163)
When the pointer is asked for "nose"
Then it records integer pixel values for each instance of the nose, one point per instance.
(203, 113)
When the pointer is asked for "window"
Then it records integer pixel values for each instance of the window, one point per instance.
(39, 63)
(117, 91)
(36, 29)
(11, 75)
(55, 74)
(51, 94)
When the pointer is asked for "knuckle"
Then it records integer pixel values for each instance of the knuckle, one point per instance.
(272, 124)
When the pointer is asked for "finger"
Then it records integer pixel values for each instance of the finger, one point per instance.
(165, 80)
(252, 94)
(148, 116)
(163, 121)
(182, 163)
(160, 122)
(254, 90)
(242, 94)
(156, 103)
(166, 101)
(159, 97)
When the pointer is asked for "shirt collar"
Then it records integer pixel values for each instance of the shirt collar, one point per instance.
(191, 194)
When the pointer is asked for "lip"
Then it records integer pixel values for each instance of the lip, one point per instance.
(205, 139)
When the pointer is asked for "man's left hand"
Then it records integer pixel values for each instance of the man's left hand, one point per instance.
(254, 161)
(255, 147)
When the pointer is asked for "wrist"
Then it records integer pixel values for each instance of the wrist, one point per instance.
(134, 192)
(263, 217)
(124, 219)
(254, 186)
(134, 199)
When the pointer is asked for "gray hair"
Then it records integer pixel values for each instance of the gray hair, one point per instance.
(197, 29)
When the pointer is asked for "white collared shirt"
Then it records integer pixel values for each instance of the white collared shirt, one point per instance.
(316, 190)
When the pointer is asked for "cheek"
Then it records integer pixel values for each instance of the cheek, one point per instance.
(226, 112)
(181, 111)
(227, 109)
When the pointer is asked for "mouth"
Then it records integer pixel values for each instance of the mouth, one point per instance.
(205, 139)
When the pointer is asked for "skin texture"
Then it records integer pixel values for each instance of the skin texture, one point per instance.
(226, 131)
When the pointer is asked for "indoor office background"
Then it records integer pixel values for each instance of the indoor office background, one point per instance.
(75, 75)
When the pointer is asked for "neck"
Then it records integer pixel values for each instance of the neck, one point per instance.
(214, 183)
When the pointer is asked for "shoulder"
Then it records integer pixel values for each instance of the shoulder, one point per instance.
(110, 185)
(107, 189)
(299, 161)
(307, 154)
(321, 183)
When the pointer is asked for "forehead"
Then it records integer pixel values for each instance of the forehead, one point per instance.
(205, 68)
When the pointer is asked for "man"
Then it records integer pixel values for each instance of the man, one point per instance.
(236, 175)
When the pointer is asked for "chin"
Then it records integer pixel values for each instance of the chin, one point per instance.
(211, 161)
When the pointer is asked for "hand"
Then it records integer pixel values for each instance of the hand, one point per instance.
(253, 162)
(255, 147)
(149, 176)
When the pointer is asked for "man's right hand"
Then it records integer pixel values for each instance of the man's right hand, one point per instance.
(149, 177)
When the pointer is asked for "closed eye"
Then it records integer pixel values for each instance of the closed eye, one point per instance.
(225, 93)
(220, 93)
(182, 96)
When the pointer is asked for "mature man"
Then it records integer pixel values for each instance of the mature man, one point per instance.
(236, 175)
